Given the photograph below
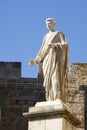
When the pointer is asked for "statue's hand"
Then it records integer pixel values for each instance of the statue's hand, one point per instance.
(55, 45)
(32, 62)
(51, 45)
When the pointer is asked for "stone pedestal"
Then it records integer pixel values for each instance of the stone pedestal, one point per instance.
(51, 115)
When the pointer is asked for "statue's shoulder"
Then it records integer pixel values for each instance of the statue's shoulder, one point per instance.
(61, 34)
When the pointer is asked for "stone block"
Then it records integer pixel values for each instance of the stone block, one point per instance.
(51, 115)
(10, 70)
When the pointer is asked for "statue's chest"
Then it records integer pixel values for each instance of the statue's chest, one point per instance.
(49, 37)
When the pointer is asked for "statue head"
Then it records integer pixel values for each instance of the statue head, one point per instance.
(50, 23)
(51, 20)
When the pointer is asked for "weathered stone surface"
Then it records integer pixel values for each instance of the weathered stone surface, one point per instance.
(16, 95)
(10, 70)
(51, 115)
(75, 97)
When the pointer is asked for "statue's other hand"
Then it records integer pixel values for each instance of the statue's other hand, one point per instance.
(32, 62)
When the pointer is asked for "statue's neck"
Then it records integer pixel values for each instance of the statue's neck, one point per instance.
(52, 30)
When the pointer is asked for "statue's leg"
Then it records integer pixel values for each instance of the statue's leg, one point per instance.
(51, 94)
(48, 89)
(55, 87)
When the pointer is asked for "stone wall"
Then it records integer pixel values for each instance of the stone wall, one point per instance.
(75, 97)
(16, 96)
(10, 69)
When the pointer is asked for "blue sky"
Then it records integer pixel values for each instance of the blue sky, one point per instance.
(22, 28)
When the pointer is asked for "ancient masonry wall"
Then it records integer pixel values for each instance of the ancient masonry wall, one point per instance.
(17, 94)
(75, 97)
(10, 70)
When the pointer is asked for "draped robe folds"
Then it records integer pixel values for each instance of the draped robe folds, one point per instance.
(55, 63)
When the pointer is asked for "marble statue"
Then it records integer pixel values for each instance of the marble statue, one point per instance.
(54, 56)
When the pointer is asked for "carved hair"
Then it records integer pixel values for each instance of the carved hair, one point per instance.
(51, 19)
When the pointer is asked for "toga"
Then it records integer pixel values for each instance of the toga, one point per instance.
(55, 64)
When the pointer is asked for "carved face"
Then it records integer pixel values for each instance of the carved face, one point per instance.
(50, 25)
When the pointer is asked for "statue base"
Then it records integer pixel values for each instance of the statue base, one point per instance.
(51, 115)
